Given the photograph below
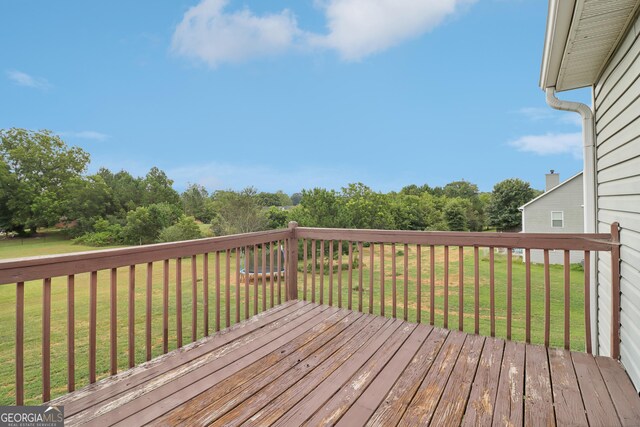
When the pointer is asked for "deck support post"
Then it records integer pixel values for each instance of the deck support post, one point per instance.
(292, 263)
(615, 290)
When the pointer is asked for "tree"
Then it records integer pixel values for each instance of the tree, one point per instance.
(195, 203)
(185, 229)
(145, 223)
(126, 191)
(455, 214)
(364, 208)
(506, 198)
(277, 217)
(319, 207)
(36, 170)
(462, 189)
(237, 212)
(295, 199)
(158, 188)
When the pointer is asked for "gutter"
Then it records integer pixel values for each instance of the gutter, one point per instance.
(589, 190)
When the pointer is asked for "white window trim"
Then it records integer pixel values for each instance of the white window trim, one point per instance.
(561, 218)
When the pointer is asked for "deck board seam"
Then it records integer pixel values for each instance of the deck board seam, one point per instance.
(620, 420)
(327, 361)
(100, 387)
(361, 320)
(385, 367)
(425, 376)
(320, 309)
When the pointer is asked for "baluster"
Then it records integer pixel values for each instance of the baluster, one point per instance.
(132, 315)
(446, 286)
(237, 285)
(205, 293)
(264, 277)
(306, 265)
(406, 282)
(179, 302)
(492, 293)
(547, 299)
(227, 289)
(71, 334)
(460, 288)
(340, 273)
(255, 280)
(587, 300)
(567, 301)
(419, 283)
(148, 318)
(271, 274)
(279, 275)
(476, 284)
(360, 270)
(93, 312)
(382, 279)
(217, 284)
(321, 271)
(246, 282)
(331, 272)
(509, 291)
(46, 339)
(313, 271)
(394, 282)
(165, 307)
(527, 257)
(432, 283)
(350, 276)
(194, 299)
(372, 250)
(20, 343)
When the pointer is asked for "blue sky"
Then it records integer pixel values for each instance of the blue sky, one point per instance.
(291, 94)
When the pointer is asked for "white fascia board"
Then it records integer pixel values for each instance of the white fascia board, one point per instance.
(549, 191)
(559, 20)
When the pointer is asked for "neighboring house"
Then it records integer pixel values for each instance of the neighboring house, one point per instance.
(596, 44)
(558, 210)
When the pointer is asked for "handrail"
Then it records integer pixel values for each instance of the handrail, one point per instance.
(32, 268)
(570, 241)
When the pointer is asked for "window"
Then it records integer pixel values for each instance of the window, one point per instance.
(557, 219)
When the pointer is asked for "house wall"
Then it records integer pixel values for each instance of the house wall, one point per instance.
(567, 198)
(617, 111)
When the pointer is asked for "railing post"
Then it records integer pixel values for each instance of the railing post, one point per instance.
(292, 267)
(615, 290)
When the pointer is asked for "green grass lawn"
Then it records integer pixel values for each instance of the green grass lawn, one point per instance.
(55, 244)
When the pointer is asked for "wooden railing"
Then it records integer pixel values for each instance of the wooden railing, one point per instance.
(218, 263)
(440, 277)
(429, 272)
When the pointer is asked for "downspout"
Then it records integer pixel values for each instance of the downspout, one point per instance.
(589, 190)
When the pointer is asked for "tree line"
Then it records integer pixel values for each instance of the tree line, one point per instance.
(43, 183)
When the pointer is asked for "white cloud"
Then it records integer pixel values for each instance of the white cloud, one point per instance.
(85, 134)
(24, 79)
(550, 144)
(211, 35)
(358, 28)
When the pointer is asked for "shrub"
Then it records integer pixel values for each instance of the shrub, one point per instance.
(185, 229)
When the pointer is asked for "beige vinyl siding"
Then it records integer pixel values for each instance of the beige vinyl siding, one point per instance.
(617, 106)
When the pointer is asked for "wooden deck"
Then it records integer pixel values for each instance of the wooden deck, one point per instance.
(307, 364)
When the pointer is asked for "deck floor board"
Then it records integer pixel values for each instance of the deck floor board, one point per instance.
(308, 364)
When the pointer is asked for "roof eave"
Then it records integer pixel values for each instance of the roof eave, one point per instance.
(559, 20)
